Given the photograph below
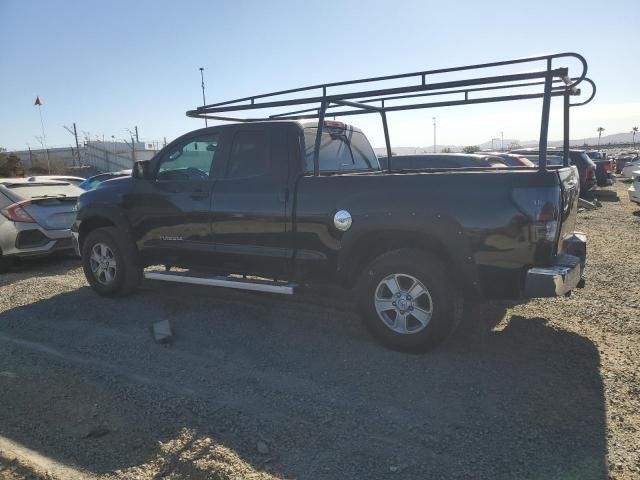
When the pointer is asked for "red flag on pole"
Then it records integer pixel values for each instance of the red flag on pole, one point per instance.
(38, 101)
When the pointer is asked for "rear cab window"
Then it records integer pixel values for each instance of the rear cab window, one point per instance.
(341, 150)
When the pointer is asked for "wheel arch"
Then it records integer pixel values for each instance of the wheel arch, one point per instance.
(371, 245)
(93, 219)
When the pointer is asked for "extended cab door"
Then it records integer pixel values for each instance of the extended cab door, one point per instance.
(251, 203)
(173, 209)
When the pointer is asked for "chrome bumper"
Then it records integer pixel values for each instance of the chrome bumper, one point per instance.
(554, 281)
(566, 273)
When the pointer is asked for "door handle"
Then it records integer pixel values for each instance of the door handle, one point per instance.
(199, 194)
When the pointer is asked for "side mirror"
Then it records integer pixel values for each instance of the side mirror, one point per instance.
(141, 170)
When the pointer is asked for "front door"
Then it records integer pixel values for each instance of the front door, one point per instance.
(176, 226)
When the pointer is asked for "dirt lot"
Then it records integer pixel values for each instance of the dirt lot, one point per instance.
(257, 387)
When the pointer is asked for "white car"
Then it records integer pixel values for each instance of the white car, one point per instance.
(630, 168)
(634, 189)
(60, 178)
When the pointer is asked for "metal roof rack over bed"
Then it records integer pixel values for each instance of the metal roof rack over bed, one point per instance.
(387, 95)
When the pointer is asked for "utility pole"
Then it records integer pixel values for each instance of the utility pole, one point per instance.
(502, 141)
(75, 135)
(204, 101)
(133, 144)
(434, 134)
(136, 130)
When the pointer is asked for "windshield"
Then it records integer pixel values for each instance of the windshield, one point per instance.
(595, 155)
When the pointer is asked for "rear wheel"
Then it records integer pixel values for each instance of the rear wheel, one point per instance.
(408, 300)
(110, 262)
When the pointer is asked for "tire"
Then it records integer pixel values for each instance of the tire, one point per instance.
(118, 272)
(396, 318)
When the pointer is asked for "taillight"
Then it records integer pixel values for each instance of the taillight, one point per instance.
(542, 207)
(545, 226)
(607, 167)
(335, 124)
(16, 212)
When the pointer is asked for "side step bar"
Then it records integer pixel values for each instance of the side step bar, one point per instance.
(240, 284)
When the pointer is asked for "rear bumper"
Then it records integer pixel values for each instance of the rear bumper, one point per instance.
(606, 182)
(19, 239)
(564, 275)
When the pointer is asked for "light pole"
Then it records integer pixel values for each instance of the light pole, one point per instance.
(434, 134)
(204, 101)
(502, 141)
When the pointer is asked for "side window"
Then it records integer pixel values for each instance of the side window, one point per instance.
(191, 160)
(249, 155)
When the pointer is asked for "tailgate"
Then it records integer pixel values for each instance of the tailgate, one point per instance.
(53, 213)
(570, 188)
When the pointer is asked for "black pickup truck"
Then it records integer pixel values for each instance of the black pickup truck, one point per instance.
(275, 205)
(243, 199)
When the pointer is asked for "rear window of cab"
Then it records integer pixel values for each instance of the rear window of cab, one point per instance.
(340, 150)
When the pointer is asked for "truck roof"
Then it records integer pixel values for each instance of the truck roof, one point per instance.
(300, 124)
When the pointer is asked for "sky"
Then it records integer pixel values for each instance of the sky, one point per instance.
(113, 65)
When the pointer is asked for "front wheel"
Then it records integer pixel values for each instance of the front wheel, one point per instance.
(408, 300)
(110, 263)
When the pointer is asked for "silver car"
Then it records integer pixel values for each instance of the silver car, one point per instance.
(35, 217)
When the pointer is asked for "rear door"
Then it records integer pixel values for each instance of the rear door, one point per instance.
(251, 227)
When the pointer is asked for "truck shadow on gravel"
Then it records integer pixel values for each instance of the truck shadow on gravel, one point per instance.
(255, 384)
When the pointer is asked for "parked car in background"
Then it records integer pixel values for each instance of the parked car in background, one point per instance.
(630, 168)
(623, 158)
(604, 167)
(512, 159)
(92, 182)
(60, 178)
(441, 160)
(586, 167)
(35, 217)
(596, 154)
(634, 189)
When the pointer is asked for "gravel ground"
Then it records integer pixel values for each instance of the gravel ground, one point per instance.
(258, 387)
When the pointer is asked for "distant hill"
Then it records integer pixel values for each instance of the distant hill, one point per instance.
(626, 137)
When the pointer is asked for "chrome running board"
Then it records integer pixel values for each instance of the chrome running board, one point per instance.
(226, 282)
